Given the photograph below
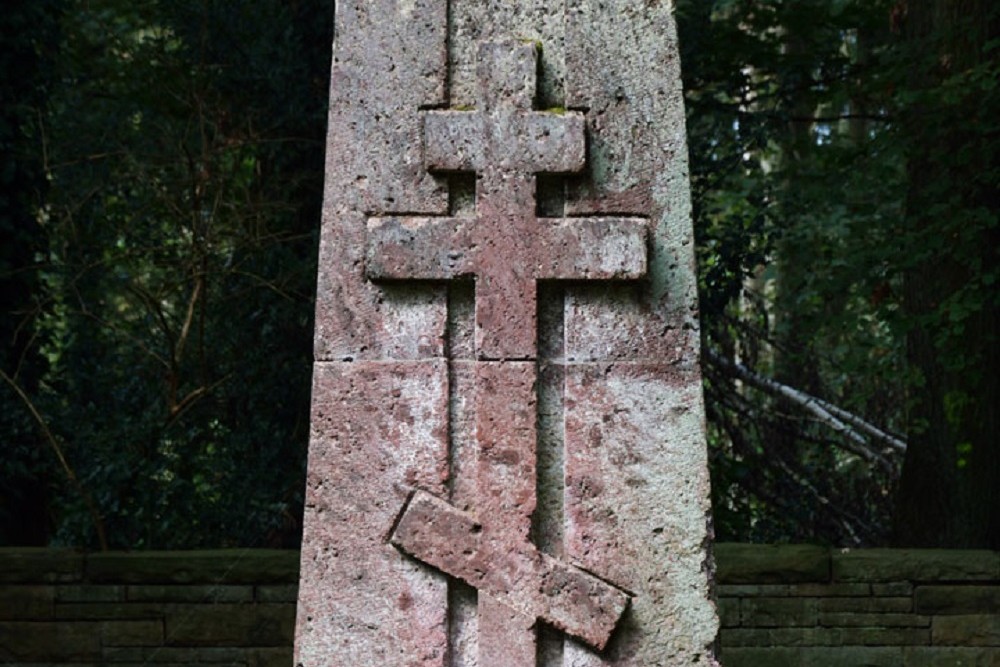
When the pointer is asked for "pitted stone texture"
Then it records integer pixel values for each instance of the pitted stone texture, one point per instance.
(516, 575)
(634, 442)
(389, 61)
(535, 141)
(506, 246)
(378, 429)
(516, 582)
(637, 487)
(507, 638)
(615, 62)
(548, 522)
(472, 23)
(508, 254)
(506, 416)
(636, 163)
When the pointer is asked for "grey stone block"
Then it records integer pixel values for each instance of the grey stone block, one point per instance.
(968, 599)
(224, 566)
(771, 564)
(876, 565)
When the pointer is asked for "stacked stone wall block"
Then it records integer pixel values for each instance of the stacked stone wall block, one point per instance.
(778, 606)
(806, 605)
(227, 607)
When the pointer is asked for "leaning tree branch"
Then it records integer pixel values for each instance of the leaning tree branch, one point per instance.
(846, 423)
(95, 515)
(893, 440)
(883, 436)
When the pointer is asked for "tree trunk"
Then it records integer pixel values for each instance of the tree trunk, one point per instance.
(949, 494)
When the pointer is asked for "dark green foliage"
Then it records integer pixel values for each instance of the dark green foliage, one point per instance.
(28, 42)
(803, 151)
(950, 487)
(185, 153)
(161, 171)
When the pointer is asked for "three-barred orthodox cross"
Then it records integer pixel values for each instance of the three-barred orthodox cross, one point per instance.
(507, 248)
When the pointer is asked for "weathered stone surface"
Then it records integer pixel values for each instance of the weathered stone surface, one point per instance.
(766, 563)
(778, 612)
(37, 565)
(220, 654)
(389, 63)
(132, 633)
(26, 602)
(229, 625)
(782, 637)
(182, 593)
(81, 611)
(27, 642)
(90, 593)
(119, 654)
(814, 657)
(637, 164)
(729, 612)
(506, 245)
(854, 590)
(880, 621)
(508, 253)
(518, 575)
(760, 657)
(957, 599)
(634, 499)
(867, 605)
(97, 606)
(915, 565)
(277, 593)
(270, 657)
(224, 566)
(379, 430)
(950, 657)
(892, 589)
(966, 630)
(449, 162)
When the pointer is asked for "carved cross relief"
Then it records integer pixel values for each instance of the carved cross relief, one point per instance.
(507, 248)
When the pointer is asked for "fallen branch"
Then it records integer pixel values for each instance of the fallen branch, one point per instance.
(896, 443)
(846, 423)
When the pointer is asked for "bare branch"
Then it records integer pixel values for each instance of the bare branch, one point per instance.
(896, 443)
(179, 408)
(845, 423)
(188, 317)
(95, 515)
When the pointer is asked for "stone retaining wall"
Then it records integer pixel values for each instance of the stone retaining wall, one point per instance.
(805, 606)
(232, 607)
(781, 606)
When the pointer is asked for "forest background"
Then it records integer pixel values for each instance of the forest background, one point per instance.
(161, 170)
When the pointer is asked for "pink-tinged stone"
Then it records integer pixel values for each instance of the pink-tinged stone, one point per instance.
(378, 430)
(637, 484)
(506, 246)
(516, 582)
(389, 61)
(636, 164)
(634, 484)
(597, 399)
(506, 416)
(513, 574)
(506, 637)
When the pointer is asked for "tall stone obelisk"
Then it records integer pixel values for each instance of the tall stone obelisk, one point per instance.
(507, 464)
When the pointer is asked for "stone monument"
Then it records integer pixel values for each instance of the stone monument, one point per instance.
(507, 463)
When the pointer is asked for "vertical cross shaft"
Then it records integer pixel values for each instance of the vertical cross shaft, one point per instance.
(434, 448)
(507, 248)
